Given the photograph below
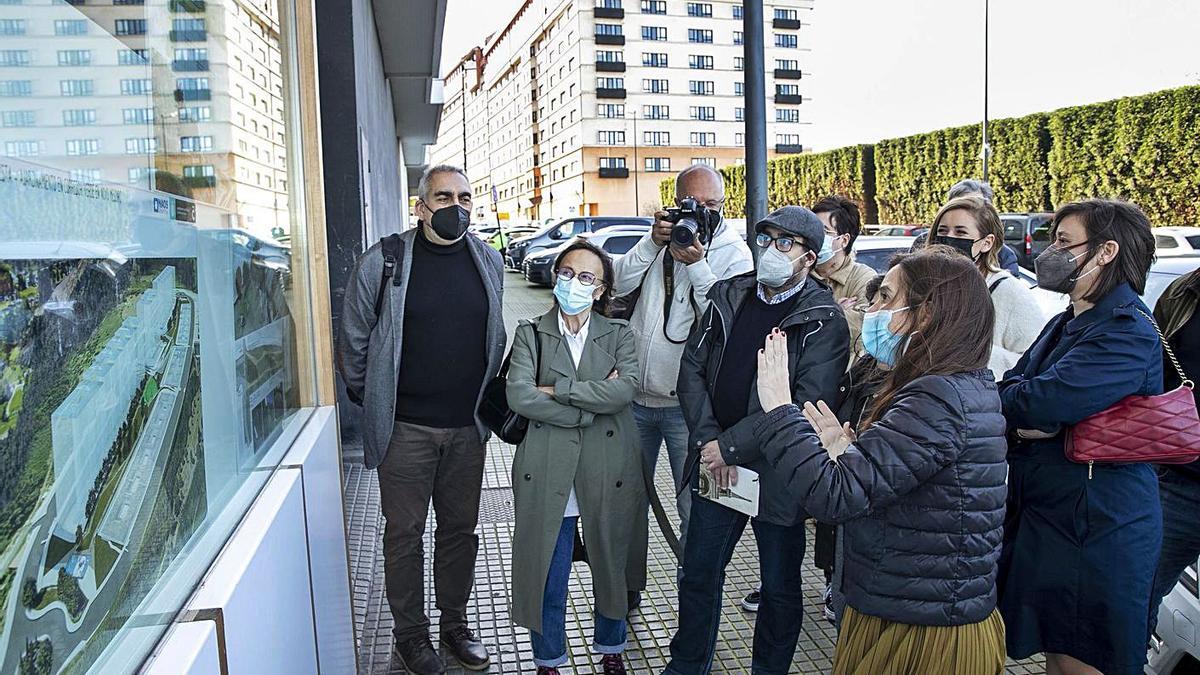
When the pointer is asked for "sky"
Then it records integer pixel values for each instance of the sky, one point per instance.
(888, 68)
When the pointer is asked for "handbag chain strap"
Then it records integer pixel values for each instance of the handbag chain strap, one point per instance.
(1183, 378)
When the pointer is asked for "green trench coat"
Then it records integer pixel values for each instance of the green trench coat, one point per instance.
(583, 435)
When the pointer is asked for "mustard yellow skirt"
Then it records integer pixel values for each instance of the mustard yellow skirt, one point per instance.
(871, 646)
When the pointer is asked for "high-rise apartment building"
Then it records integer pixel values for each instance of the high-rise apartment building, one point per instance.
(581, 107)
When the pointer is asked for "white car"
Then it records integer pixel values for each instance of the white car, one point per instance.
(615, 240)
(1175, 645)
(1175, 241)
(876, 251)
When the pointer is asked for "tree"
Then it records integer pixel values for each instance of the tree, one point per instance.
(29, 593)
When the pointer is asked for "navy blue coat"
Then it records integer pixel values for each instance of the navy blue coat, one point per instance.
(921, 495)
(1080, 553)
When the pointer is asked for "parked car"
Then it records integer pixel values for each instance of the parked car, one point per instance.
(1174, 649)
(514, 255)
(899, 230)
(616, 240)
(877, 251)
(501, 238)
(1174, 241)
(1028, 234)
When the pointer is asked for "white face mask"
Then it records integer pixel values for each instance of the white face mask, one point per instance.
(775, 268)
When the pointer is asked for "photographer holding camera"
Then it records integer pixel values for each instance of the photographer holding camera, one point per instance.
(664, 281)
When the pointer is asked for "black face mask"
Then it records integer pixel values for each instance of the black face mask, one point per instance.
(961, 244)
(450, 222)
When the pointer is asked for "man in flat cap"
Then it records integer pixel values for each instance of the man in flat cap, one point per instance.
(718, 394)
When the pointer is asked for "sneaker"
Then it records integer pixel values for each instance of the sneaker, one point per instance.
(466, 649)
(750, 602)
(417, 657)
(612, 664)
(545, 670)
(830, 615)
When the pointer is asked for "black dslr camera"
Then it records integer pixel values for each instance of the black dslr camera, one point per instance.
(692, 221)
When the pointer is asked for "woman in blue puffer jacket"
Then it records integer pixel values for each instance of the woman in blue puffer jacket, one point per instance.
(920, 490)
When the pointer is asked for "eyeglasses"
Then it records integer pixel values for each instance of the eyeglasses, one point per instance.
(782, 244)
(585, 278)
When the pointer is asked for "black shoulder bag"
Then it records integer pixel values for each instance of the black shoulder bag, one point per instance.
(390, 247)
(493, 407)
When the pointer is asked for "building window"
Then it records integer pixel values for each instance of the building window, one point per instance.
(70, 27)
(739, 139)
(610, 137)
(132, 57)
(612, 162)
(192, 89)
(658, 164)
(136, 87)
(737, 11)
(788, 14)
(610, 110)
(788, 116)
(16, 87)
(739, 63)
(609, 29)
(74, 57)
(76, 87)
(610, 83)
(11, 58)
(131, 26)
(706, 161)
(787, 64)
(199, 171)
(18, 118)
(654, 59)
(787, 90)
(739, 88)
(704, 113)
(656, 86)
(738, 37)
(739, 114)
(78, 118)
(195, 143)
(787, 139)
(195, 114)
(656, 137)
(83, 146)
(657, 33)
(140, 174)
(12, 26)
(703, 36)
(700, 62)
(141, 146)
(188, 30)
(703, 138)
(701, 87)
(605, 56)
(138, 115)
(85, 175)
(786, 41)
(699, 9)
(23, 148)
(609, 4)
(654, 6)
(656, 112)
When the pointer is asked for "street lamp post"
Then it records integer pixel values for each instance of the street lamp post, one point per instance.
(985, 151)
(636, 179)
(756, 115)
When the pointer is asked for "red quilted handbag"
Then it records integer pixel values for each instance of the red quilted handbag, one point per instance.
(1163, 429)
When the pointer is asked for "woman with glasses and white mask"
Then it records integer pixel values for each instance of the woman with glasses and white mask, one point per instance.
(972, 226)
(573, 374)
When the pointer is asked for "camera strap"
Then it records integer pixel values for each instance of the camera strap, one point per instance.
(669, 297)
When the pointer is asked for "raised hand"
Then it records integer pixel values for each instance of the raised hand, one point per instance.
(835, 436)
(774, 383)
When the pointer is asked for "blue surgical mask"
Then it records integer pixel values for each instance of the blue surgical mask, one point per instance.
(878, 337)
(826, 253)
(573, 297)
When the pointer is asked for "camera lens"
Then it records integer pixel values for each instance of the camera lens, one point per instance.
(683, 234)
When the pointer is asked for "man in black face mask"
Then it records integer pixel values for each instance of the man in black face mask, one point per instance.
(422, 333)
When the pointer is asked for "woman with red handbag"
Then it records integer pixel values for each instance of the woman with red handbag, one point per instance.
(1082, 540)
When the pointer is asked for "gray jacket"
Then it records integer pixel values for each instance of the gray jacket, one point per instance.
(365, 343)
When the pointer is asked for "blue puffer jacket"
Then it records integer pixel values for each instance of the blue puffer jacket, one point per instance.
(921, 494)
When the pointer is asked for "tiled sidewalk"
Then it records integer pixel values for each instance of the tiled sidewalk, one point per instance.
(651, 626)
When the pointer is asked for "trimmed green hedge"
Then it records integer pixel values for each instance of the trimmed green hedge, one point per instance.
(1143, 148)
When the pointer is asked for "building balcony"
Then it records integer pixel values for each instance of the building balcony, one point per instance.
(610, 66)
(788, 148)
(786, 24)
(193, 6)
(789, 98)
(787, 74)
(188, 35)
(609, 13)
(610, 39)
(200, 181)
(603, 92)
(614, 172)
(189, 65)
(193, 95)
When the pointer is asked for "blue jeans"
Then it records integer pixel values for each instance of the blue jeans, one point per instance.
(656, 425)
(1180, 496)
(712, 535)
(550, 646)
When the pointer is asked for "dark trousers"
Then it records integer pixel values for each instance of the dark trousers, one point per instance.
(713, 532)
(1180, 496)
(447, 466)
(825, 549)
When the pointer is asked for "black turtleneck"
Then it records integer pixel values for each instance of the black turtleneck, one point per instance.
(443, 352)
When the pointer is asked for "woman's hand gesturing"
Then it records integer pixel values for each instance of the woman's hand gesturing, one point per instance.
(774, 385)
(835, 437)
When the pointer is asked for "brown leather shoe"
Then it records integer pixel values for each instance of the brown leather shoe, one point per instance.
(613, 664)
(466, 649)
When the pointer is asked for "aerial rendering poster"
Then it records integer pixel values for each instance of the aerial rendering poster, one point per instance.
(101, 468)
